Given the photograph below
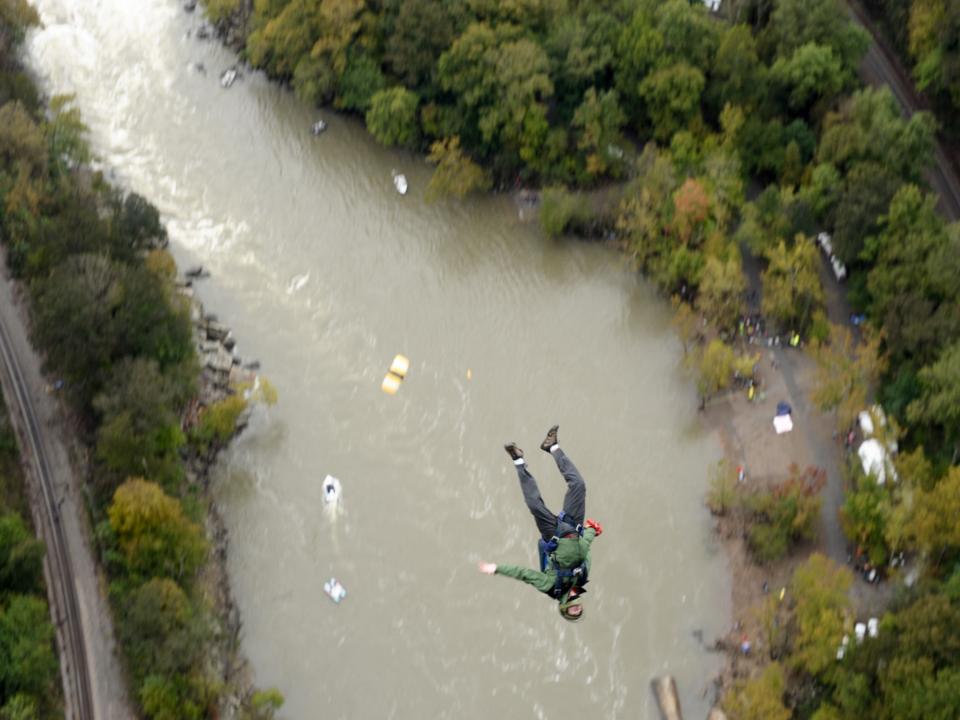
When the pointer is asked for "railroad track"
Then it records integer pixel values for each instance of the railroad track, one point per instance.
(63, 587)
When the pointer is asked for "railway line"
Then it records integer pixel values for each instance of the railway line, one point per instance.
(61, 580)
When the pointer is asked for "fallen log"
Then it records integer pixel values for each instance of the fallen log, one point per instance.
(665, 690)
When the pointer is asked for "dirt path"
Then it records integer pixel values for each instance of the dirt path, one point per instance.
(108, 689)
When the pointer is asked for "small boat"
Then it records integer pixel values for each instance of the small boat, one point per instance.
(331, 490)
(400, 182)
(335, 590)
(228, 77)
(318, 127)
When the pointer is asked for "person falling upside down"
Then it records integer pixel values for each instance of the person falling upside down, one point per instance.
(564, 539)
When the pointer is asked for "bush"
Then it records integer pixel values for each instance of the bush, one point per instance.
(218, 422)
(784, 514)
(722, 495)
(562, 211)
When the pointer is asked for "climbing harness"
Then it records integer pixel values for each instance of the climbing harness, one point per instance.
(568, 577)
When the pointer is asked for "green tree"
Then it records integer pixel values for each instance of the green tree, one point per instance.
(715, 369)
(392, 117)
(794, 23)
(134, 226)
(362, 80)
(74, 320)
(865, 516)
(152, 532)
(869, 127)
(939, 401)
(759, 698)
(20, 707)
(935, 46)
(21, 557)
(820, 611)
(27, 662)
(422, 30)
(139, 433)
(737, 77)
(672, 97)
(912, 284)
(791, 284)
(812, 73)
(722, 495)
(599, 119)
(862, 201)
(720, 296)
(161, 632)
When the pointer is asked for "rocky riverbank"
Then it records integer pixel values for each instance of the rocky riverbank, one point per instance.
(222, 373)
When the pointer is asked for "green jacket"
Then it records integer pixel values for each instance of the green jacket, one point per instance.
(570, 553)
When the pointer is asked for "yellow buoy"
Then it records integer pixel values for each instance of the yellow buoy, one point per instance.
(469, 373)
(400, 366)
(391, 383)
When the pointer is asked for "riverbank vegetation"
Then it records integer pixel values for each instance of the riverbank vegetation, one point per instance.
(118, 338)
(29, 672)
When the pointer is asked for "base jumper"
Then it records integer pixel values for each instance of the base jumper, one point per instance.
(564, 539)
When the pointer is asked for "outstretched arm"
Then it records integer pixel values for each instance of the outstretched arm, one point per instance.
(541, 581)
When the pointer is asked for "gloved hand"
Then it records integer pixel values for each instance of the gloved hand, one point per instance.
(598, 528)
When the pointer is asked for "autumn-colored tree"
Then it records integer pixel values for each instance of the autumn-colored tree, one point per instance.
(157, 540)
(847, 371)
(691, 209)
(821, 610)
(686, 323)
(758, 698)
(456, 173)
(715, 369)
(933, 525)
(791, 284)
(721, 290)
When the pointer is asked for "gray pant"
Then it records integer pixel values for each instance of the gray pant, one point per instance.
(574, 502)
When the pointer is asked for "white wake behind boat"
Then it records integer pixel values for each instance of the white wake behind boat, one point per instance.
(331, 490)
(400, 182)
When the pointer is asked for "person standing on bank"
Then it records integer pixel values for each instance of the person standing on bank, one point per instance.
(564, 539)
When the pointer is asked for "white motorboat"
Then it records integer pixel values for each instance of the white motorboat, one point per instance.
(400, 182)
(228, 77)
(331, 490)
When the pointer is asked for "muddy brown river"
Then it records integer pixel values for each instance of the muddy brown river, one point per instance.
(325, 272)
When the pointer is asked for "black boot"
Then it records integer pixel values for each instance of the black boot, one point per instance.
(550, 440)
(513, 451)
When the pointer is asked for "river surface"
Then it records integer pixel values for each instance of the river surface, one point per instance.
(325, 272)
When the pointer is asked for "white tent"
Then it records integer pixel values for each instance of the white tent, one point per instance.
(875, 461)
